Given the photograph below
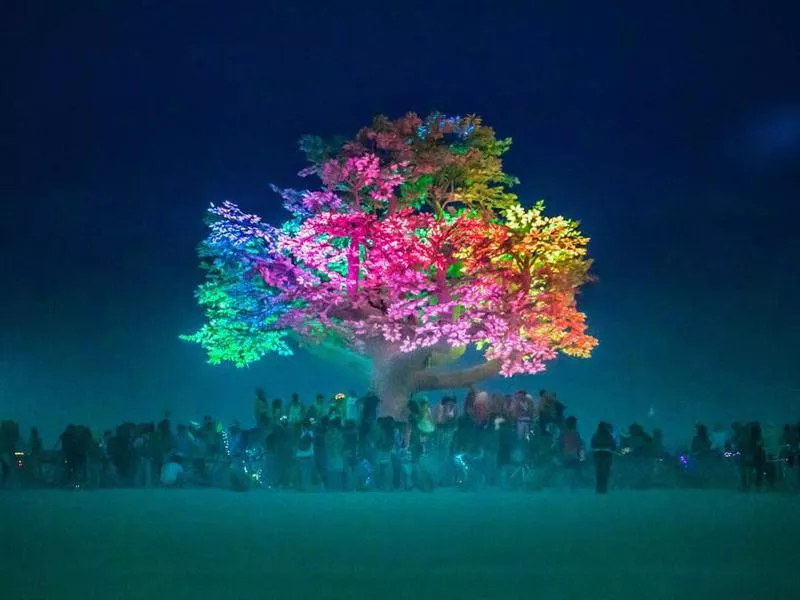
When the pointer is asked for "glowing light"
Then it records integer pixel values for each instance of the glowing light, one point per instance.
(226, 442)
(461, 462)
(414, 216)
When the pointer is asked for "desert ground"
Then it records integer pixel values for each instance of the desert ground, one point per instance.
(197, 544)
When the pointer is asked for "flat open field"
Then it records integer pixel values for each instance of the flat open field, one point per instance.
(197, 544)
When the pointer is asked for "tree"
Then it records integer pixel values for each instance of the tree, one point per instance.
(412, 250)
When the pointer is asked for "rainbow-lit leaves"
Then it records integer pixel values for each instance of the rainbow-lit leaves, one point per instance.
(413, 242)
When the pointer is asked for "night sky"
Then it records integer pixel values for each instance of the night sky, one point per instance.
(670, 129)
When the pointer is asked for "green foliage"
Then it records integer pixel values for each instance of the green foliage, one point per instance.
(229, 341)
(240, 327)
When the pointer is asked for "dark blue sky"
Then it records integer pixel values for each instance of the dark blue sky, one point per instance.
(671, 130)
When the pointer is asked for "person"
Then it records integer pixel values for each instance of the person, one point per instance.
(143, 451)
(122, 453)
(788, 454)
(352, 407)
(447, 413)
(173, 474)
(425, 422)
(384, 444)
(261, 410)
(446, 420)
(701, 443)
(759, 454)
(603, 449)
(9, 441)
(35, 453)
(304, 455)
(334, 454)
(743, 447)
(295, 410)
(572, 455)
(317, 410)
(161, 442)
(70, 454)
(480, 408)
(277, 410)
(521, 410)
(284, 457)
(350, 453)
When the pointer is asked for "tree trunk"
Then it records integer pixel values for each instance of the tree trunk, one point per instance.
(393, 381)
(395, 377)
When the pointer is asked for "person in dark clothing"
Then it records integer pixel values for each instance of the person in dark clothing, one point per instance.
(161, 442)
(759, 454)
(285, 441)
(70, 454)
(701, 443)
(350, 452)
(121, 452)
(9, 442)
(34, 463)
(369, 413)
(603, 449)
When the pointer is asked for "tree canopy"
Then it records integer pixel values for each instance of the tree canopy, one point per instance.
(412, 243)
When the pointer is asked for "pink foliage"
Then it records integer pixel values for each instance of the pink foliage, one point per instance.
(397, 296)
(363, 173)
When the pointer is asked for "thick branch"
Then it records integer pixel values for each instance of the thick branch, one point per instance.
(426, 380)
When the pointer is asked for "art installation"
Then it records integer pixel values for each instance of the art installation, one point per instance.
(410, 251)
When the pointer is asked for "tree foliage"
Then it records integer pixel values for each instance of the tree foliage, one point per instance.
(412, 243)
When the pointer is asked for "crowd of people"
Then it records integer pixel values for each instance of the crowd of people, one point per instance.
(518, 441)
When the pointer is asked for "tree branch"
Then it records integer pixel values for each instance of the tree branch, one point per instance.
(426, 380)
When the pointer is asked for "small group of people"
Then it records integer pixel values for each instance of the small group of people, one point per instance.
(764, 456)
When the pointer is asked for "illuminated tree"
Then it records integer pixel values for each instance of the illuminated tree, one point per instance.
(412, 250)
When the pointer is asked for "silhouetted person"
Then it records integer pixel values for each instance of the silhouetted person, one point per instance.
(603, 449)
(277, 410)
(759, 454)
(9, 442)
(35, 450)
(261, 410)
(701, 443)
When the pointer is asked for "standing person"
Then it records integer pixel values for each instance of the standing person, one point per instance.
(69, 454)
(304, 456)
(333, 472)
(161, 445)
(352, 411)
(603, 449)
(759, 454)
(572, 453)
(296, 412)
(35, 452)
(9, 441)
(261, 410)
(446, 421)
(277, 411)
(318, 410)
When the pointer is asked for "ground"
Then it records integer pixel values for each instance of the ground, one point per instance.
(197, 544)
